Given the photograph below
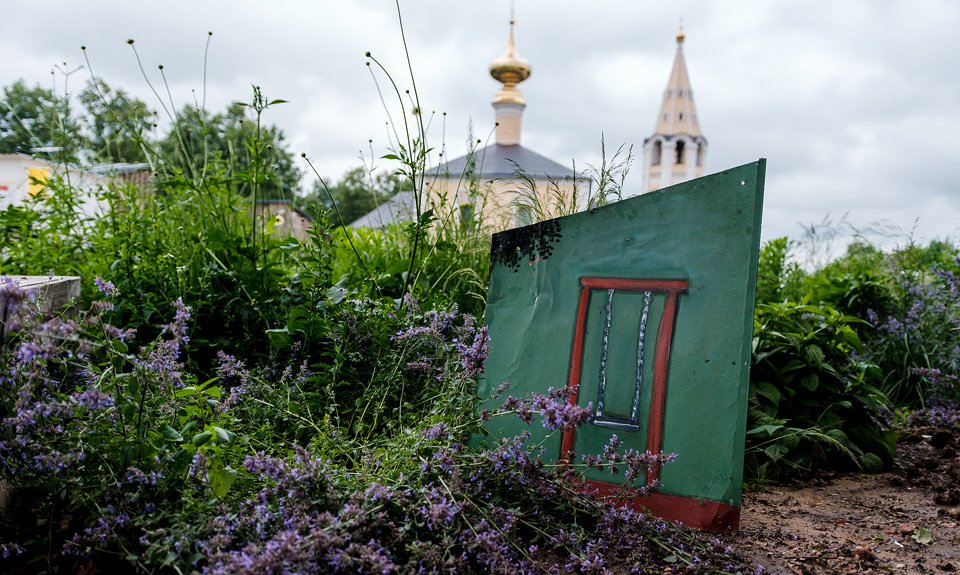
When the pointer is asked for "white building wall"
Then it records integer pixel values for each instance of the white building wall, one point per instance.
(15, 182)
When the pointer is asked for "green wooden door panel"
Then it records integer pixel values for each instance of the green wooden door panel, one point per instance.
(706, 233)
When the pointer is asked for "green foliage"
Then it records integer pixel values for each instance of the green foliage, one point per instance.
(37, 118)
(367, 370)
(916, 339)
(117, 124)
(861, 280)
(811, 403)
(908, 296)
(231, 148)
(202, 244)
(776, 273)
(101, 441)
(47, 234)
(454, 269)
(357, 193)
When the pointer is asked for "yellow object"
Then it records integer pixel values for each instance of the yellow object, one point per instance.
(37, 181)
(510, 69)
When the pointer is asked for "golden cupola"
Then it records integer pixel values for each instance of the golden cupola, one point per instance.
(509, 69)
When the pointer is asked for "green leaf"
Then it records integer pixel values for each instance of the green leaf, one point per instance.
(838, 435)
(280, 338)
(169, 433)
(776, 451)
(871, 463)
(810, 381)
(181, 463)
(224, 436)
(129, 412)
(186, 392)
(815, 355)
(390, 157)
(133, 387)
(201, 438)
(850, 337)
(793, 365)
(922, 536)
(221, 480)
(126, 453)
(768, 429)
(336, 294)
(769, 391)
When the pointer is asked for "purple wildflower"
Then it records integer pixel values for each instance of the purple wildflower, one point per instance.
(163, 357)
(438, 431)
(8, 550)
(116, 333)
(100, 306)
(559, 413)
(233, 373)
(105, 287)
(474, 356)
(136, 476)
(438, 510)
(92, 399)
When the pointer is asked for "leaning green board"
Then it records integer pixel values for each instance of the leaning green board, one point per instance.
(646, 307)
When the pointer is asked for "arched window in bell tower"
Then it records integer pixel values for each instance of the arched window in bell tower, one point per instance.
(657, 153)
(679, 152)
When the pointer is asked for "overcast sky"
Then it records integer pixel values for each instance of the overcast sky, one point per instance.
(855, 104)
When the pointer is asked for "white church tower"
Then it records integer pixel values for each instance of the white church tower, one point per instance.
(677, 149)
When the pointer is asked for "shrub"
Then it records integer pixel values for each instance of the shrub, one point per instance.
(107, 450)
(916, 340)
(123, 460)
(811, 402)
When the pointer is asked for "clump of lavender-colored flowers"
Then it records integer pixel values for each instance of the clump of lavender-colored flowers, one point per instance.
(427, 338)
(79, 432)
(918, 343)
(358, 462)
(493, 511)
(554, 408)
(634, 463)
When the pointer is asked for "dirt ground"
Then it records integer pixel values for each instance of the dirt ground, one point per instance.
(905, 521)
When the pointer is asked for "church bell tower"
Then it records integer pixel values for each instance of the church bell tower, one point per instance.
(677, 150)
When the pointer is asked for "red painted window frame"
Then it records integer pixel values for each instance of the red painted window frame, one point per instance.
(661, 359)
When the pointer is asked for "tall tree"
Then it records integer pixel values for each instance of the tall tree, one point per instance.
(116, 123)
(38, 122)
(201, 144)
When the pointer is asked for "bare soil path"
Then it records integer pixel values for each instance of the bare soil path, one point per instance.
(905, 521)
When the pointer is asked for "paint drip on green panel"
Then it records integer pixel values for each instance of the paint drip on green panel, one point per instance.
(646, 305)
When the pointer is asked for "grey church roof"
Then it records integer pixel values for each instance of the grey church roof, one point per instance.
(494, 161)
(499, 161)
